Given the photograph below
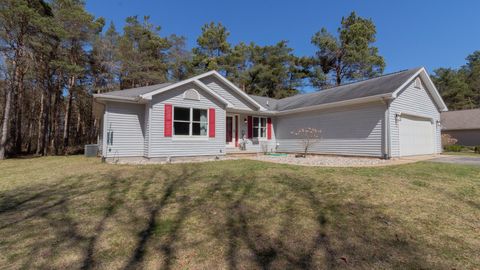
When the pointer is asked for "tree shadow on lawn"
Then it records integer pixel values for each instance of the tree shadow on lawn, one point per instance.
(167, 216)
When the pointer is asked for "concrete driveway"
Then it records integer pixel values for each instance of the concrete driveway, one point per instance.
(457, 160)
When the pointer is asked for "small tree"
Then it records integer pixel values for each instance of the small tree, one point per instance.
(308, 136)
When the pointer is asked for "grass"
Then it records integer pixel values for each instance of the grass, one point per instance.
(470, 154)
(73, 212)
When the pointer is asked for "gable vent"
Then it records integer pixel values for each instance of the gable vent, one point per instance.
(418, 83)
(191, 94)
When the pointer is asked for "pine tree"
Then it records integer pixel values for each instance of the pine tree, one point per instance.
(143, 54)
(348, 56)
(212, 48)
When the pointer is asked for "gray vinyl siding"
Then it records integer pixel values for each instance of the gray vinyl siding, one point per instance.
(127, 123)
(416, 102)
(161, 146)
(224, 91)
(353, 130)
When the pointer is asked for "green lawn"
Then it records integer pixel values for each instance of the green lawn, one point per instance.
(72, 212)
(470, 154)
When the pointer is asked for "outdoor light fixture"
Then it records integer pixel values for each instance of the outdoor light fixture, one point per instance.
(398, 118)
(245, 120)
(439, 124)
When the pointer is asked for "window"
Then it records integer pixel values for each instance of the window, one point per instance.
(259, 127)
(190, 121)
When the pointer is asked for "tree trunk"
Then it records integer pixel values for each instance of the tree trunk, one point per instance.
(46, 123)
(68, 113)
(40, 136)
(19, 114)
(6, 121)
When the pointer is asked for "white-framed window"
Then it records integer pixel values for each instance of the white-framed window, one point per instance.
(189, 121)
(259, 127)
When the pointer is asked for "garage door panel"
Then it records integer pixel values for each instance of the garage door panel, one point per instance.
(416, 136)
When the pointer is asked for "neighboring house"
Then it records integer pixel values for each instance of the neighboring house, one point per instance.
(462, 125)
(389, 116)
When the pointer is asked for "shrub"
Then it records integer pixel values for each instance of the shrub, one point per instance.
(453, 148)
(448, 140)
(477, 149)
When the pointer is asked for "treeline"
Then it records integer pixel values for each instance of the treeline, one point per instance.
(55, 56)
(460, 88)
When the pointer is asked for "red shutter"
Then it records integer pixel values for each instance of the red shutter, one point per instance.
(250, 127)
(211, 122)
(236, 130)
(269, 128)
(168, 120)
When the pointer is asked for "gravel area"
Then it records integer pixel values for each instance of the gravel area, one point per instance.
(333, 161)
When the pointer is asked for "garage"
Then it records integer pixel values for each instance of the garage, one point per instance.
(416, 136)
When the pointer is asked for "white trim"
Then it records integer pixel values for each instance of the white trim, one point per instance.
(234, 87)
(429, 84)
(418, 115)
(234, 129)
(100, 97)
(104, 139)
(259, 127)
(197, 78)
(193, 80)
(211, 92)
(149, 108)
(336, 104)
(196, 92)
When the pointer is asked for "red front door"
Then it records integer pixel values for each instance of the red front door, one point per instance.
(229, 129)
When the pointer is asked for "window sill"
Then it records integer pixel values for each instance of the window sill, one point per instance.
(190, 138)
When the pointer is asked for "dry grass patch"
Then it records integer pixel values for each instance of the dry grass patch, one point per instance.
(72, 212)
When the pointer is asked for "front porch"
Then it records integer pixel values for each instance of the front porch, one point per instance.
(253, 132)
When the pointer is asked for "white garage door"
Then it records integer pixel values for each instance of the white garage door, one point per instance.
(416, 136)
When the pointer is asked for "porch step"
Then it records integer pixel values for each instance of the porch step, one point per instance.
(239, 153)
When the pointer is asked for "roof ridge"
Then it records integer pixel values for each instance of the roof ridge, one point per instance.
(350, 83)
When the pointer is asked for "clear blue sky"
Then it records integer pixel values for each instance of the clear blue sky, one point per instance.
(409, 33)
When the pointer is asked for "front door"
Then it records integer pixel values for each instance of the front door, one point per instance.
(230, 131)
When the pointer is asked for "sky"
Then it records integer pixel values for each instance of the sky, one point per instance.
(410, 34)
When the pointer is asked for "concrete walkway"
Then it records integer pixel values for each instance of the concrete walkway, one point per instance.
(467, 160)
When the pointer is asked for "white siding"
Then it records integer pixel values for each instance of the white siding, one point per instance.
(127, 123)
(161, 146)
(224, 91)
(415, 102)
(354, 130)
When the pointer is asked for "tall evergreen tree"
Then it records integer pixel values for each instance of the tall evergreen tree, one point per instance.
(77, 29)
(143, 54)
(20, 20)
(348, 56)
(104, 64)
(212, 48)
(460, 88)
(179, 59)
(453, 88)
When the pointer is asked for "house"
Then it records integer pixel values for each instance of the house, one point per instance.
(392, 115)
(462, 125)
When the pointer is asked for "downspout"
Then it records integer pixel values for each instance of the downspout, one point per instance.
(387, 154)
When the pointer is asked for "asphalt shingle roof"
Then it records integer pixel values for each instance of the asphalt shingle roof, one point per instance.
(376, 86)
(465, 119)
(135, 92)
